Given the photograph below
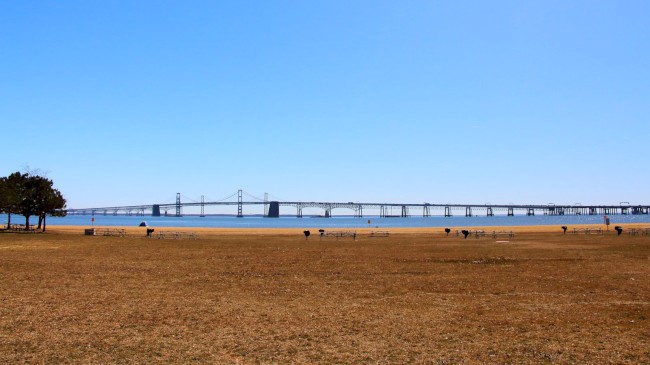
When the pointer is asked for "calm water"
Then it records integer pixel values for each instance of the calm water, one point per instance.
(334, 222)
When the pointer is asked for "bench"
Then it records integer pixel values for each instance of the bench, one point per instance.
(588, 230)
(176, 235)
(379, 234)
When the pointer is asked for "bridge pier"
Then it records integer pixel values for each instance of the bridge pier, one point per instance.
(425, 211)
(274, 210)
(490, 212)
(511, 212)
(299, 211)
(405, 211)
(447, 211)
(358, 211)
(155, 210)
(468, 211)
(531, 211)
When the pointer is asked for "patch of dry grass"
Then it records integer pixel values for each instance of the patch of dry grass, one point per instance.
(272, 297)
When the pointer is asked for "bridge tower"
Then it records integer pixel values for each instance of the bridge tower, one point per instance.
(178, 205)
(266, 204)
(202, 206)
(240, 212)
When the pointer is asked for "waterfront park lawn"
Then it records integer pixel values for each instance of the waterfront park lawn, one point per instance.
(273, 296)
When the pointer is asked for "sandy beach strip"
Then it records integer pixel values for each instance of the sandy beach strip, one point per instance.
(212, 231)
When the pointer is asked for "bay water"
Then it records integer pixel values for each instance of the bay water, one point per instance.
(335, 221)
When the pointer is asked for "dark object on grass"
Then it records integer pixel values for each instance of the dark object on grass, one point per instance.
(619, 230)
(465, 232)
(143, 224)
(149, 232)
(307, 233)
(447, 230)
(322, 232)
(564, 229)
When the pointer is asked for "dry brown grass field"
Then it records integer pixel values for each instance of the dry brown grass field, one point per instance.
(272, 297)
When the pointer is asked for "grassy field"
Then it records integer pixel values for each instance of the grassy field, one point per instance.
(262, 296)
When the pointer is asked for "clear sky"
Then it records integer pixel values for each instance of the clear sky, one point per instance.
(130, 102)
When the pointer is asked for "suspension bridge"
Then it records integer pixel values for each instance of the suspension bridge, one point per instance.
(271, 208)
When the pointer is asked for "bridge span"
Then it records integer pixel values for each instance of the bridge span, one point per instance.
(272, 208)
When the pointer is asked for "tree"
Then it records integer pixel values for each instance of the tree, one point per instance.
(11, 193)
(52, 203)
(30, 195)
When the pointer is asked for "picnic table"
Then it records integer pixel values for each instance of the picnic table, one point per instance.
(115, 232)
(21, 228)
(177, 235)
(339, 234)
(379, 233)
(588, 230)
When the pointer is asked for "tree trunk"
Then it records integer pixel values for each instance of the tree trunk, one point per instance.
(26, 223)
(8, 220)
(40, 221)
(44, 216)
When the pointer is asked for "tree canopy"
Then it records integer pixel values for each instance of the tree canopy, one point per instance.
(30, 195)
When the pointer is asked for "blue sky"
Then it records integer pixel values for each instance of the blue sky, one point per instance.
(130, 102)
